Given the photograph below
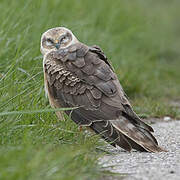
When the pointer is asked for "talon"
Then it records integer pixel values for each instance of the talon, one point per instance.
(80, 128)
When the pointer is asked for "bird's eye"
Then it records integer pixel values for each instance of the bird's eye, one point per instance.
(64, 39)
(49, 42)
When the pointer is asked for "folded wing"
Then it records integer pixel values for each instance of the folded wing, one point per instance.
(82, 76)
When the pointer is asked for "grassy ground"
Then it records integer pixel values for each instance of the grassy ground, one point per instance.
(140, 38)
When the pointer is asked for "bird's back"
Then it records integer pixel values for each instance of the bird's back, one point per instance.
(81, 76)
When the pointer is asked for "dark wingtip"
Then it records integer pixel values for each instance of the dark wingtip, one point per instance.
(162, 149)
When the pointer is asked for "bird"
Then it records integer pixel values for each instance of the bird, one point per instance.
(78, 75)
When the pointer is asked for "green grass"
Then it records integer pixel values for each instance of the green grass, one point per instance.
(142, 40)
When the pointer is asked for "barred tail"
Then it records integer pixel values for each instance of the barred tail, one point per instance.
(127, 135)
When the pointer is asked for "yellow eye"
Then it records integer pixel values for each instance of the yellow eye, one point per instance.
(49, 42)
(64, 39)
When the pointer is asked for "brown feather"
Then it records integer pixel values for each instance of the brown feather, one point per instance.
(82, 76)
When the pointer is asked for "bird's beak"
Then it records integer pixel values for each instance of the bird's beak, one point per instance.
(57, 44)
(56, 41)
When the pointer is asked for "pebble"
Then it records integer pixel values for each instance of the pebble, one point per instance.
(167, 118)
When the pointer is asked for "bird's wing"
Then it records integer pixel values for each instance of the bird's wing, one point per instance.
(82, 76)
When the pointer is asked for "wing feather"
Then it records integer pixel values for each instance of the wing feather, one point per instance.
(82, 76)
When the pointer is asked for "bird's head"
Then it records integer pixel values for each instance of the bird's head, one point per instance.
(57, 38)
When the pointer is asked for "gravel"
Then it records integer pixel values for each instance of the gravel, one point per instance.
(155, 166)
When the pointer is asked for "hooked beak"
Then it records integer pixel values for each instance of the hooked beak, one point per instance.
(57, 44)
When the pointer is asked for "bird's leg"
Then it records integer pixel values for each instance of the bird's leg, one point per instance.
(60, 115)
(80, 128)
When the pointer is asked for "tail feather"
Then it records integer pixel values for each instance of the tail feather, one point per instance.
(136, 146)
(138, 135)
(132, 116)
(127, 135)
(110, 134)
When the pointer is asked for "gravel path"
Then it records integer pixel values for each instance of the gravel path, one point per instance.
(150, 166)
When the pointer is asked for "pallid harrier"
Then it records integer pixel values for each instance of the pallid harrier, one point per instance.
(77, 75)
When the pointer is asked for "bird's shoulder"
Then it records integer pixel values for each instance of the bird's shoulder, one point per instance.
(82, 76)
(84, 64)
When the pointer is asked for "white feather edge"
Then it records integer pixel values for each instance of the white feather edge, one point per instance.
(150, 150)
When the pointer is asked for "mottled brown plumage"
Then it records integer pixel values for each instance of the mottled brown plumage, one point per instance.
(81, 76)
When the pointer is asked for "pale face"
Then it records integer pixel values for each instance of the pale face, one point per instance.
(56, 38)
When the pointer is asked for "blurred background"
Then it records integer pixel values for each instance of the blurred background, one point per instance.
(140, 38)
